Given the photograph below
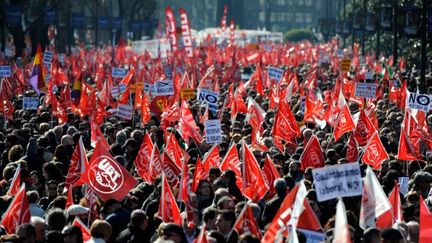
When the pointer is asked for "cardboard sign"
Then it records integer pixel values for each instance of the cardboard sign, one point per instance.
(149, 88)
(419, 101)
(30, 103)
(345, 65)
(5, 71)
(365, 90)
(47, 58)
(188, 94)
(164, 87)
(213, 131)
(124, 111)
(275, 73)
(118, 72)
(337, 181)
(209, 97)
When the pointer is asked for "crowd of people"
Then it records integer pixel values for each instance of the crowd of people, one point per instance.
(40, 143)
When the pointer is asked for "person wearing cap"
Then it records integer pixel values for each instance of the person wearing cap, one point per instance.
(137, 230)
(76, 210)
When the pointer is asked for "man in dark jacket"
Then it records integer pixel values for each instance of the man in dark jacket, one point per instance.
(136, 230)
(273, 205)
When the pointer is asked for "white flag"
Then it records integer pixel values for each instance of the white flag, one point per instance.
(374, 200)
(341, 228)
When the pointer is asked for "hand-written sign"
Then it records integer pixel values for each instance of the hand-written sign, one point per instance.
(213, 131)
(30, 103)
(365, 90)
(124, 111)
(337, 181)
(5, 71)
(164, 87)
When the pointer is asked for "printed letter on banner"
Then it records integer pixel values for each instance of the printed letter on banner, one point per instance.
(30, 103)
(47, 57)
(365, 90)
(164, 87)
(337, 181)
(419, 101)
(209, 97)
(5, 71)
(124, 111)
(118, 72)
(213, 131)
(275, 73)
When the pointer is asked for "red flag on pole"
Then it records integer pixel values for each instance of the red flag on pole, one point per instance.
(425, 232)
(18, 212)
(106, 176)
(77, 166)
(312, 155)
(375, 152)
(168, 208)
(254, 186)
(16, 182)
(246, 222)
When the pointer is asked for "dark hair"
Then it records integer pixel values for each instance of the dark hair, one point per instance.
(228, 215)
(54, 236)
(28, 229)
(137, 217)
(209, 214)
(200, 184)
(73, 230)
(56, 219)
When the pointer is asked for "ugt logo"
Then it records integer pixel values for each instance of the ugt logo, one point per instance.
(108, 175)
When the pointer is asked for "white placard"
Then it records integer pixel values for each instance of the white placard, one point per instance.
(149, 88)
(117, 91)
(275, 73)
(47, 58)
(124, 111)
(337, 181)
(419, 101)
(209, 97)
(365, 90)
(164, 87)
(213, 131)
(5, 71)
(118, 72)
(30, 103)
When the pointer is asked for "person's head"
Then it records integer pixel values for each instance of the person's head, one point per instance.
(225, 221)
(391, 235)
(72, 234)
(372, 235)
(110, 206)
(172, 232)
(139, 219)
(226, 202)
(294, 167)
(101, 229)
(39, 225)
(27, 233)
(56, 219)
(204, 188)
(413, 231)
(33, 196)
(280, 187)
(209, 218)
(51, 189)
(214, 173)
(230, 177)
(54, 236)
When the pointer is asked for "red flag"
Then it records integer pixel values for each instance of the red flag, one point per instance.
(344, 123)
(145, 109)
(18, 212)
(69, 196)
(341, 232)
(352, 153)
(106, 176)
(186, 33)
(16, 182)
(425, 231)
(282, 128)
(77, 166)
(85, 231)
(387, 219)
(212, 158)
(364, 129)
(202, 237)
(254, 186)
(176, 153)
(270, 174)
(375, 152)
(246, 222)
(170, 169)
(168, 208)
(232, 162)
(155, 167)
(142, 160)
(405, 149)
(96, 136)
(201, 173)
(171, 28)
(312, 155)
(126, 80)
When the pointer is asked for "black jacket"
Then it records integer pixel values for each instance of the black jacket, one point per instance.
(133, 234)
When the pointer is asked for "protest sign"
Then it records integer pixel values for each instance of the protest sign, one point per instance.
(5, 71)
(30, 103)
(365, 90)
(275, 73)
(403, 184)
(209, 97)
(118, 72)
(337, 181)
(419, 101)
(47, 58)
(213, 131)
(117, 91)
(164, 87)
(345, 65)
(124, 111)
